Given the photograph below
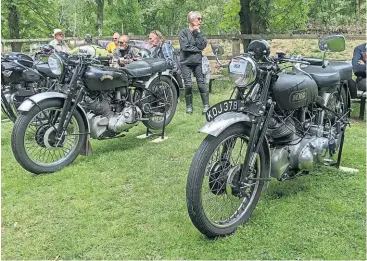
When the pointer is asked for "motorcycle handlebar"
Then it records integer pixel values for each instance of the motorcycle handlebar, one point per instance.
(314, 61)
(103, 58)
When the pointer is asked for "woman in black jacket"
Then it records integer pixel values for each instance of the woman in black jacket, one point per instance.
(192, 43)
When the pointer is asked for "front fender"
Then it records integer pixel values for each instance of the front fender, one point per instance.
(28, 104)
(222, 122)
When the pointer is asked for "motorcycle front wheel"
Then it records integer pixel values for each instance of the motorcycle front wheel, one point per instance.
(34, 138)
(216, 202)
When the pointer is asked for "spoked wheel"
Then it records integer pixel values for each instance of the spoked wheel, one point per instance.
(216, 202)
(165, 101)
(338, 103)
(36, 144)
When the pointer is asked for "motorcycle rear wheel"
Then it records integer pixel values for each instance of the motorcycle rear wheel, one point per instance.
(33, 138)
(167, 94)
(213, 178)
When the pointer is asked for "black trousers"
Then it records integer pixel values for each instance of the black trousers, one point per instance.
(361, 84)
(186, 71)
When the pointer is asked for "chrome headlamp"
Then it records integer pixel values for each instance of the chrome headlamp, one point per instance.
(243, 71)
(55, 64)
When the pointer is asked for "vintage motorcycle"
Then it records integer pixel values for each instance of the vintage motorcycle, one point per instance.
(23, 76)
(279, 124)
(100, 102)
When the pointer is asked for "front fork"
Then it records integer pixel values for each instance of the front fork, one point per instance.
(259, 126)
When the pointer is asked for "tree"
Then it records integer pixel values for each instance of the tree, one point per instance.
(13, 20)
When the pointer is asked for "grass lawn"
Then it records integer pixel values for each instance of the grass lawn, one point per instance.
(127, 201)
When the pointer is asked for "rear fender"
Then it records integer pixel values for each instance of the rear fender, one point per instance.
(165, 74)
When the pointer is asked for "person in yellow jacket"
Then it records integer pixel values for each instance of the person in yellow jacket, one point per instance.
(115, 43)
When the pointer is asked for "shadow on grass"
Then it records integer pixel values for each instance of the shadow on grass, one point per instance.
(288, 188)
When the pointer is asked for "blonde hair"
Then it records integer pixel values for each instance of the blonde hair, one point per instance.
(158, 34)
(192, 15)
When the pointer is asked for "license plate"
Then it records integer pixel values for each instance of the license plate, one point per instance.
(223, 107)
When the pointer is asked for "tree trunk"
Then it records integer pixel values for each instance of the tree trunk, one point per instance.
(13, 23)
(100, 4)
(245, 21)
(358, 13)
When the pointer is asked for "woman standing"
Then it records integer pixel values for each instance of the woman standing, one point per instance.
(192, 43)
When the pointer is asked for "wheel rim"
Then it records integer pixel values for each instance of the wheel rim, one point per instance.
(163, 103)
(39, 139)
(223, 202)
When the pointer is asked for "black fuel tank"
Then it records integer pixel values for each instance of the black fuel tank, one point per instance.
(294, 90)
(105, 78)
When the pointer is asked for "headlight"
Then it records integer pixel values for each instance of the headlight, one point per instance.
(55, 64)
(242, 71)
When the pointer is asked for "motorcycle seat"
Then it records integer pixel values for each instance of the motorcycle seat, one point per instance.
(344, 69)
(145, 67)
(324, 79)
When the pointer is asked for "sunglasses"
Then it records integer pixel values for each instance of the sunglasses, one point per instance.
(122, 42)
(114, 39)
(60, 34)
(200, 19)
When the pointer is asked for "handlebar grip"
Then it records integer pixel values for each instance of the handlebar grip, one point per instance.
(103, 58)
(313, 61)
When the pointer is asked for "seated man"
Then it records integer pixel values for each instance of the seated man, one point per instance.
(59, 43)
(112, 45)
(125, 53)
(359, 66)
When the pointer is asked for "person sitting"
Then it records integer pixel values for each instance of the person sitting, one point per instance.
(112, 45)
(162, 49)
(125, 53)
(59, 43)
(359, 66)
(88, 39)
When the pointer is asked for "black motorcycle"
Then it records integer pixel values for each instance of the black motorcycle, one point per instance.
(279, 124)
(23, 76)
(100, 102)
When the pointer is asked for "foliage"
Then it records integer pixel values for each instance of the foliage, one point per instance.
(288, 15)
(78, 17)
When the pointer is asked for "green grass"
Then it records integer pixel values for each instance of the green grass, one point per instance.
(127, 201)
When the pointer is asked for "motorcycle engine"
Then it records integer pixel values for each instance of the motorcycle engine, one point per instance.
(108, 117)
(301, 151)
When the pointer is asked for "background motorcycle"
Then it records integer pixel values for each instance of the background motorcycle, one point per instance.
(100, 102)
(23, 76)
(279, 125)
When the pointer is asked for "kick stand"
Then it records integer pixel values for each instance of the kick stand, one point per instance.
(337, 164)
(162, 138)
(149, 133)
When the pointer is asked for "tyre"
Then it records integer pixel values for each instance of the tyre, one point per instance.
(166, 101)
(34, 142)
(338, 103)
(216, 203)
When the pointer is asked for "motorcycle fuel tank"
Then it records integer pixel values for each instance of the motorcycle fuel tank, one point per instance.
(294, 90)
(105, 78)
